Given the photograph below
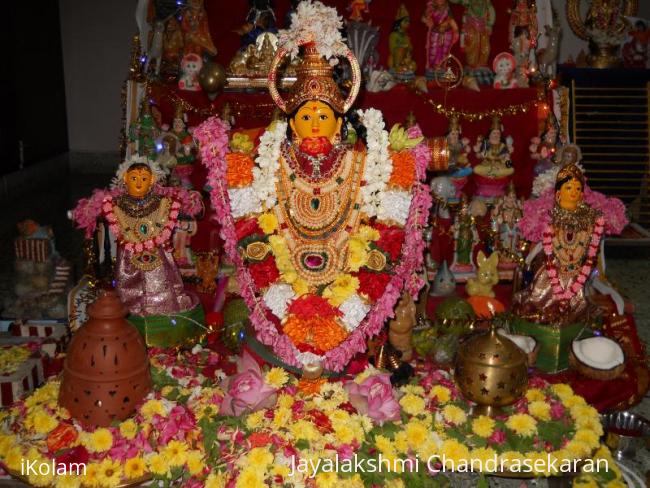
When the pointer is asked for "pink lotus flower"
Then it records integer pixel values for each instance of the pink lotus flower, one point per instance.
(246, 391)
(375, 398)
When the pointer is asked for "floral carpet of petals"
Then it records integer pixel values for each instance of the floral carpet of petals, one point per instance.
(11, 357)
(207, 425)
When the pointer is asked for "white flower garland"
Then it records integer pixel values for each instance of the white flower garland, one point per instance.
(277, 298)
(306, 358)
(379, 165)
(354, 311)
(268, 162)
(395, 206)
(243, 201)
(314, 22)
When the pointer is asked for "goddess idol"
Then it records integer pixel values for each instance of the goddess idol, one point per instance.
(325, 233)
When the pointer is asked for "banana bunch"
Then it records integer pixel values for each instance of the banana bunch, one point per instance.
(241, 143)
(399, 139)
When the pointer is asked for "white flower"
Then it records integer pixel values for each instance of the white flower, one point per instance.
(306, 358)
(278, 297)
(268, 162)
(314, 22)
(395, 206)
(354, 311)
(378, 166)
(243, 201)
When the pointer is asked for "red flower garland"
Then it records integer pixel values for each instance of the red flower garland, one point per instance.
(265, 272)
(308, 306)
(247, 227)
(391, 239)
(372, 284)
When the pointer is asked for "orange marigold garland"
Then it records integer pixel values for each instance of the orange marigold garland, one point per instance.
(323, 333)
(239, 170)
(403, 175)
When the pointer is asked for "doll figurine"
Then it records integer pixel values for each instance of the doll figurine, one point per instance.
(504, 65)
(486, 276)
(478, 21)
(172, 47)
(400, 57)
(142, 216)
(458, 149)
(495, 168)
(196, 32)
(185, 150)
(545, 148)
(505, 216)
(523, 17)
(143, 133)
(635, 51)
(442, 33)
(357, 8)
(190, 67)
(465, 237)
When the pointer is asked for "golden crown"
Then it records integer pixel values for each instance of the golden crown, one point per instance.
(571, 171)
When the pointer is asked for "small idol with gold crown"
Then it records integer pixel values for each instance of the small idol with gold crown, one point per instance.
(324, 232)
(142, 216)
(566, 223)
(495, 169)
(400, 47)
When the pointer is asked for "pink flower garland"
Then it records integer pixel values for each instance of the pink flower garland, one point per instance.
(537, 213)
(149, 244)
(213, 142)
(558, 290)
(87, 211)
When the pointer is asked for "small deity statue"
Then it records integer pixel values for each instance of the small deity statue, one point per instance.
(465, 237)
(544, 149)
(172, 47)
(196, 31)
(504, 65)
(142, 217)
(260, 19)
(357, 8)
(400, 57)
(478, 21)
(442, 32)
(458, 149)
(143, 133)
(190, 67)
(185, 149)
(567, 222)
(506, 214)
(635, 51)
(522, 35)
(166, 158)
(495, 168)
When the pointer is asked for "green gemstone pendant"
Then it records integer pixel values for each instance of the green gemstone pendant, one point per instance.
(315, 203)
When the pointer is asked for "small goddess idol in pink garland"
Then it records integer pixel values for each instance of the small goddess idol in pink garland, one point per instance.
(142, 216)
(567, 222)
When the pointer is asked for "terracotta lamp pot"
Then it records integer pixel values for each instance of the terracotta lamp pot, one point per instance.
(106, 369)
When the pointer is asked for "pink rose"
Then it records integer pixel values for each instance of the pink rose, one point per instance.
(375, 398)
(557, 410)
(498, 437)
(246, 390)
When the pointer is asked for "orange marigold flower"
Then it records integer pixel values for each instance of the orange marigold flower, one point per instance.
(310, 387)
(403, 174)
(320, 332)
(239, 170)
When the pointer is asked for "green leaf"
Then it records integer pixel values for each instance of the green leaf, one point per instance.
(482, 482)
(160, 379)
(302, 444)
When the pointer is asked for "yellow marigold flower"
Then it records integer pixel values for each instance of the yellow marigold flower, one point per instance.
(357, 254)
(522, 424)
(416, 434)
(442, 393)
(573, 401)
(41, 480)
(412, 404)
(260, 457)
(563, 456)
(300, 287)
(414, 389)
(562, 390)
(588, 437)
(195, 463)
(67, 481)
(151, 408)
(454, 415)
(538, 462)
(268, 222)
(578, 449)
(327, 480)
(285, 401)
(427, 450)
(344, 286)
(401, 441)
(276, 377)
(303, 429)
(216, 480)
(43, 422)
(254, 420)
(535, 395)
(540, 410)
(340, 416)
(365, 422)
(101, 440)
(367, 233)
(384, 445)
(250, 478)
(343, 434)
(511, 458)
(176, 452)
(280, 470)
(7, 441)
(483, 426)
(480, 457)
(90, 479)
(281, 418)
(109, 473)
(158, 464)
(128, 429)
(454, 453)
(206, 411)
(590, 423)
(134, 467)
(582, 412)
